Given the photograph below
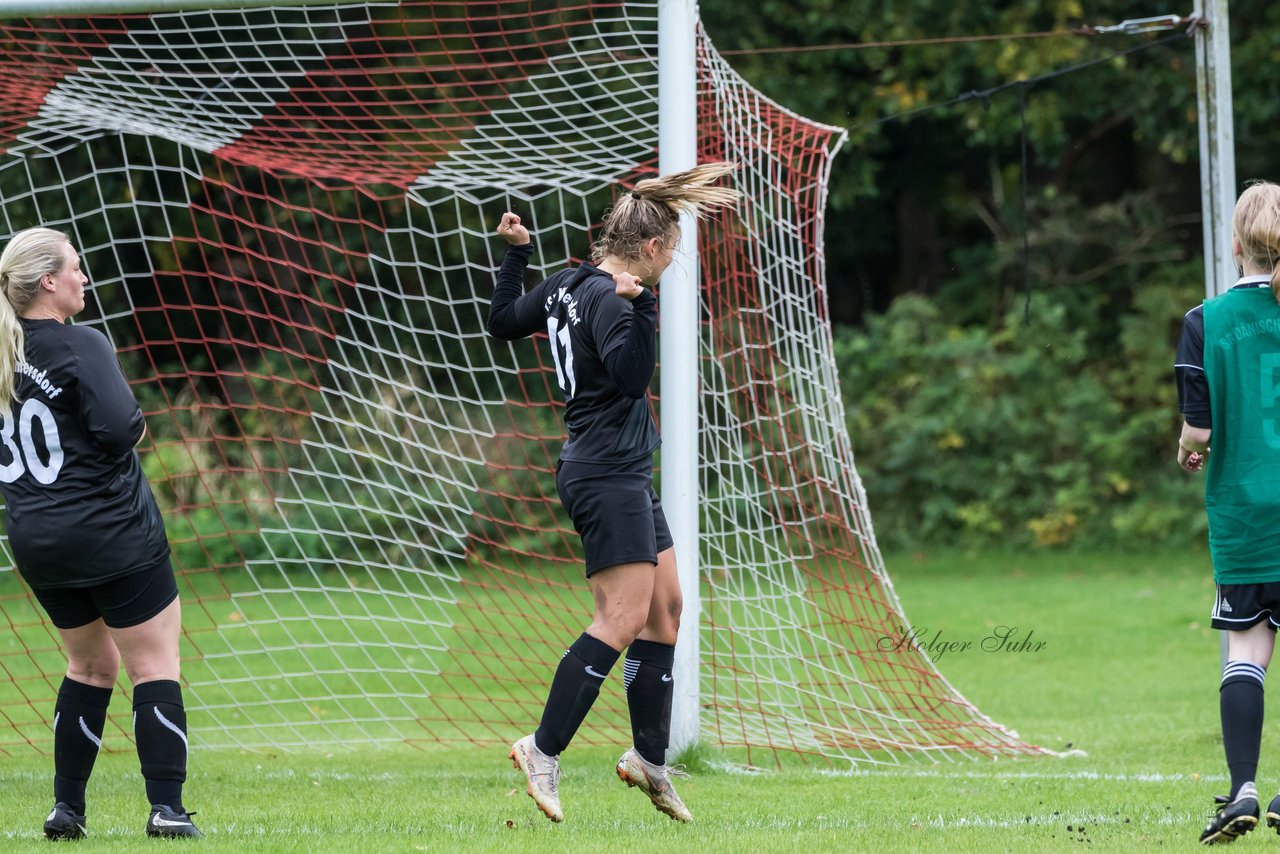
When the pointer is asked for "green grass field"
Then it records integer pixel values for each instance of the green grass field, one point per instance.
(1127, 673)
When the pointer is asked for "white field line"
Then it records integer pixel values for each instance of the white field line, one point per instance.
(1026, 775)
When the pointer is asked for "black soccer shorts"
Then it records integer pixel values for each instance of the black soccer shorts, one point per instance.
(121, 602)
(615, 511)
(1242, 606)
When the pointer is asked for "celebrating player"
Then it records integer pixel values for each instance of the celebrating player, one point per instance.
(600, 319)
(85, 531)
(1228, 372)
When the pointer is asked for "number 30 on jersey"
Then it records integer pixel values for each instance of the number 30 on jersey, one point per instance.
(33, 411)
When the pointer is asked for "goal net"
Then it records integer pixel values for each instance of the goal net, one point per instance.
(286, 218)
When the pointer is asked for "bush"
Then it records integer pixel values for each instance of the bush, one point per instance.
(1025, 435)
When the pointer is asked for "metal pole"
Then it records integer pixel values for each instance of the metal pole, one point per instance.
(1217, 144)
(89, 8)
(678, 150)
(1217, 157)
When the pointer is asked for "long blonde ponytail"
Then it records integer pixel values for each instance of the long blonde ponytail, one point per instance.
(653, 208)
(29, 256)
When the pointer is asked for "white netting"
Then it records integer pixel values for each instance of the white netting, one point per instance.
(285, 215)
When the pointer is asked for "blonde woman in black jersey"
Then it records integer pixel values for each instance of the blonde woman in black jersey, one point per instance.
(600, 318)
(85, 531)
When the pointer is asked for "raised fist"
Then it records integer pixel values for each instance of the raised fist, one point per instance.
(627, 285)
(512, 231)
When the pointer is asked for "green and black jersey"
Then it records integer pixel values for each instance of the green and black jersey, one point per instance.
(1242, 483)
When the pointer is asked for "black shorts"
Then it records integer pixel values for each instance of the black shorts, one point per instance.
(121, 602)
(1242, 606)
(615, 511)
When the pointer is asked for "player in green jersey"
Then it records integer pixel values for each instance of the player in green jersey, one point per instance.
(1228, 368)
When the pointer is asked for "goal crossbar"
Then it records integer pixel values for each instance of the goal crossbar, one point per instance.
(17, 9)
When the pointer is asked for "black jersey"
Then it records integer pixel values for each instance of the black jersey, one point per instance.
(79, 509)
(602, 346)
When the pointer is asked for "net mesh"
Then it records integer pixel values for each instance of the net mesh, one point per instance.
(286, 218)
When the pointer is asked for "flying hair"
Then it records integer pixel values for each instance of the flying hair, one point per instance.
(1256, 223)
(653, 208)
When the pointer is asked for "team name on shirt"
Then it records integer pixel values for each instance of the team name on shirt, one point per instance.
(38, 377)
(568, 299)
(1249, 330)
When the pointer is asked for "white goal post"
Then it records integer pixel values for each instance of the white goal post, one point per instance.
(678, 150)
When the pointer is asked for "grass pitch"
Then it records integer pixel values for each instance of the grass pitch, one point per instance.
(1112, 655)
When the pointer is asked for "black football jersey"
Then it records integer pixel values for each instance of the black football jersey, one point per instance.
(589, 329)
(79, 509)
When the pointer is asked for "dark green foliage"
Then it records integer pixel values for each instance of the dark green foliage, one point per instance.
(969, 422)
(916, 206)
(1026, 435)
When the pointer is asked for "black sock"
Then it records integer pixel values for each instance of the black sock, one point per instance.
(1241, 702)
(574, 688)
(160, 728)
(78, 720)
(647, 675)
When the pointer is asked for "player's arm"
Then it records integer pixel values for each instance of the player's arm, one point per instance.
(626, 329)
(108, 409)
(514, 314)
(1193, 393)
(1194, 440)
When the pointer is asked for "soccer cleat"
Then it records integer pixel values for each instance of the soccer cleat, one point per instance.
(63, 823)
(543, 773)
(654, 781)
(1273, 814)
(1234, 818)
(167, 823)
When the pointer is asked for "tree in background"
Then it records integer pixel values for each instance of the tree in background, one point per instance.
(936, 197)
(974, 421)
